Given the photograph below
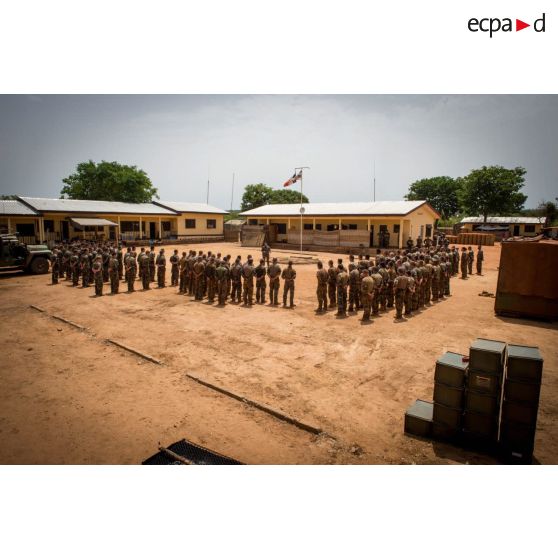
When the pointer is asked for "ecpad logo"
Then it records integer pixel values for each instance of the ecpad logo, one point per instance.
(493, 25)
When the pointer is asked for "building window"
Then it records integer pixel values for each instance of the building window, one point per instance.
(396, 229)
(353, 227)
(212, 223)
(252, 221)
(129, 226)
(307, 226)
(25, 229)
(318, 226)
(166, 225)
(49, 225)
(281, 228)
(190, 223)
(528, 228)
(428, 231)
(333, 227)
(383, 229)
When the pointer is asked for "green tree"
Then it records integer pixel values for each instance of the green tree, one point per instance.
(287, 196)
(255, 195)
(492, 191)
(109, 181)
(440, 192)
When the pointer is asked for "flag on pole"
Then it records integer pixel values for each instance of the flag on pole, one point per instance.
(294, 178)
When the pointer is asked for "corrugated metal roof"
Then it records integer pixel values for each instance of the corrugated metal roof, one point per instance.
(188, 207)
(505, 220)
(15, 207)
(91, 206)
(85, 222)
(325, 209)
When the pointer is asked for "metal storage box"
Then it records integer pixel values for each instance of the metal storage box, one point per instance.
(482, 403)
(445, 432)
(522, 392)
(484, 383)
(451, 370)
(486, 355)
(517, 435)
(447, 415)
(448, 396)
(418, 418)
(517, 412)
(483, 425)
(524, 364)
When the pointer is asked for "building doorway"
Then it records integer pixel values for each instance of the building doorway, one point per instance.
(371, 235)
(152, 230)
(65, 230)
(516, 230)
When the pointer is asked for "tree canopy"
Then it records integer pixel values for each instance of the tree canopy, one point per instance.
(439, 191)
(256, 195)
(492, 191)
(109, 181)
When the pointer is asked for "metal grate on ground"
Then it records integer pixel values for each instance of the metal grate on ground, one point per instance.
(198, 455)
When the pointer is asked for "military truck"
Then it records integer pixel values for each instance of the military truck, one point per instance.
(15, 256)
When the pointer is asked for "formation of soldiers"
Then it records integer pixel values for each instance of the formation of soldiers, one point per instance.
(407, 280)
(198, 274)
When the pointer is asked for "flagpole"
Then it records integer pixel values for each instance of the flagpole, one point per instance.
(301, 208)
(232, 192)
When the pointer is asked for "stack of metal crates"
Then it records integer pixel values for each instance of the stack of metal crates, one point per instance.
(522, 388)
(449, 384)
(483, 396)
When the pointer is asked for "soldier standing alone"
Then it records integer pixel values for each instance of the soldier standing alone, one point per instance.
(288, 276)
(480, 259)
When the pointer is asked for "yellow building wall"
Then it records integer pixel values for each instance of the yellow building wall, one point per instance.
(201, 224)
(468, 227)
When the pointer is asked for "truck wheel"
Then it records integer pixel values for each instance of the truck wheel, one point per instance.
(39, 265)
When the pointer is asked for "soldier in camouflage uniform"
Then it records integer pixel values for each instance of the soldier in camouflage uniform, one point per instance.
(260, 282)
(119, 257)
(210, 279)
(106, 258)
(331, 284)
(321, 291)
(464, 262)
(400, 288)
(161, 263)
(222, 275)
(470, 260)
(131, 269)
(143, 264)
(97, 269)
(54, 266)
(265, 252)
(392, 274)
(84, 268)
(288, 276)
(152, 264)
(198, 273)
(428, 280)
(342, 280)
(378, 286)
(74, 267)
(113, 273)
(435, 279)
(174, 268)
(411, 285)
(236, 281)
(416, 275)
(385, 286)
(248, 271)
(366, 294)
(274, 274)
(354, 288)
(480, 259)
(182, 274)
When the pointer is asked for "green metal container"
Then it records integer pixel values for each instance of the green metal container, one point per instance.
(480, 424)
(448, 396)
(526, 393)
(482, 382)
(451, 370)
(444, 432)
(519, 413)
(482, 403)
(447, 415)
(418, 418)
(525, 364)
(486, 355)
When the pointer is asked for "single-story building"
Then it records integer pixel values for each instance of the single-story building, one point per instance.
(53, 220)
(513, 226)
(366, 224)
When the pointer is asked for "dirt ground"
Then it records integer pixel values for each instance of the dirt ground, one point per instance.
(66, 396)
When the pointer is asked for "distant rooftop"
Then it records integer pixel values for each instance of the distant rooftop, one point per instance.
(327, 209)
(190, 207)
(505, 220)
(15, 207)
(92, 206)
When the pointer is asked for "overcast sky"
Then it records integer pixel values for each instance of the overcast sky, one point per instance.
(176, 138)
